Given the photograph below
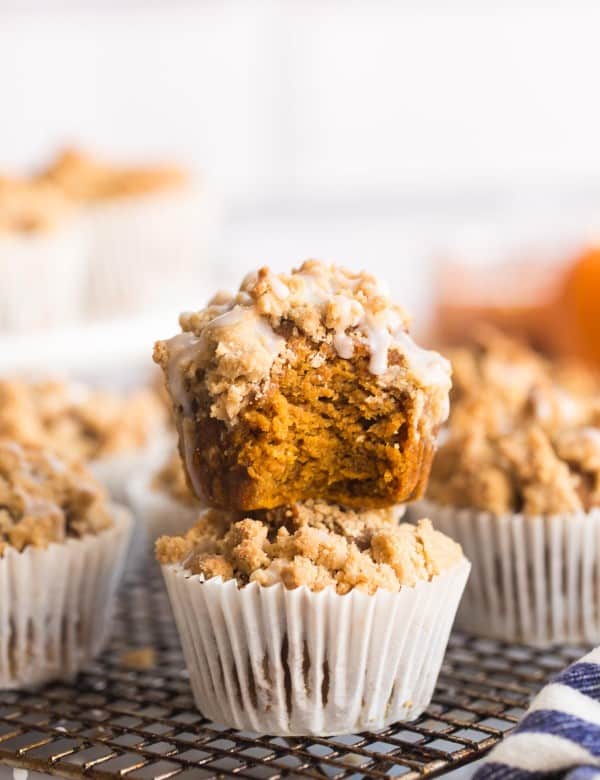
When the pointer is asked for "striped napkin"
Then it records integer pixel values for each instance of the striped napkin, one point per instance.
(559, 735)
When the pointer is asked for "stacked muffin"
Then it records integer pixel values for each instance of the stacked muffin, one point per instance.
(517, 482)
(306, 414)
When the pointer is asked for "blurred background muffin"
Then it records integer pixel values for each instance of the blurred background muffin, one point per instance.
(141, 220)
(117, 434)
(517, 482)
(62, 551)
(42, 257)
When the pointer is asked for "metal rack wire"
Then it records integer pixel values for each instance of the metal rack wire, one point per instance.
(141, 722)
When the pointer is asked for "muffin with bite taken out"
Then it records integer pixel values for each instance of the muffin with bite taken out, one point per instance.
(304, 386)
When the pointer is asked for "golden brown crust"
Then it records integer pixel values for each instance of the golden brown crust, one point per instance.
(76, 422)
(304, 385)
(306, 552)
(31, 208)
(44, 499)
(84, 179)
(523, 433)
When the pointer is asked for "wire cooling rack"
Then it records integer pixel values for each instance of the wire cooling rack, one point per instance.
(131, 714)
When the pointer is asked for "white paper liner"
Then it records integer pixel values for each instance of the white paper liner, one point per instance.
(535, 579)
(294, 662)
(117, 471)
(43, 279)
(147, 251)
(56, 604)
(160, 514)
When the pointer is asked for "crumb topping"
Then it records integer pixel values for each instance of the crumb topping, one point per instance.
(28, 207)
(319, 545)
(170, 479)
(76, 422)
(237, 341)
(523, 434)
(44, 499)
(84, 179)
(140, 658)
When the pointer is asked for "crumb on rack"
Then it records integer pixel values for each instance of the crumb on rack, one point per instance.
(140, 658)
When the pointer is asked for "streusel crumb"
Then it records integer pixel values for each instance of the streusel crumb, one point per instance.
(77, 422)
(523, 434)
(28, 207)
(170, 479)
(85, 179)
(44, 499)
(384, 555)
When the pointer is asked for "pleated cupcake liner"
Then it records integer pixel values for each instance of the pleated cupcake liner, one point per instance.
(296, 662)
(535, 580)
(43, 279)
(56, 604)
(147, 251)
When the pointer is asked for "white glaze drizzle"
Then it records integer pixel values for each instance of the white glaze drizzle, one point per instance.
(181, 348)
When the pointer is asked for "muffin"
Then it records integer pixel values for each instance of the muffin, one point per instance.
(62, 549)
(150, 229)
(304, 385)
(116, 435)
(42, 257)
(312, 619)
(517, 482)
(163, 501)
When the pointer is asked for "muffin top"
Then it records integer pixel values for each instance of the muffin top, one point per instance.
(236, 341)
(44, 499)
(317, 546)
(82, 178)
(31, 208)
(75, 422)
(170, 479)
(523, 434)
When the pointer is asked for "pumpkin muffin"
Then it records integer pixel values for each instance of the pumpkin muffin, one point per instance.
(62, 548)
(304, 385)
(150, 227)
(516, 481)
(312, 619)
(115, 434)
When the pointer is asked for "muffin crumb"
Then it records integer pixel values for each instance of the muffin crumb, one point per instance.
(523, 434)
(76, 422)
(390, 555)
(141, 658)
(44, 499)
(85, 179)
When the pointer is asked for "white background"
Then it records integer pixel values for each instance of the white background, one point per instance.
(373, 132)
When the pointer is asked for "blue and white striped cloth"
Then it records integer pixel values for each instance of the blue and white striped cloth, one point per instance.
(559, 735)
